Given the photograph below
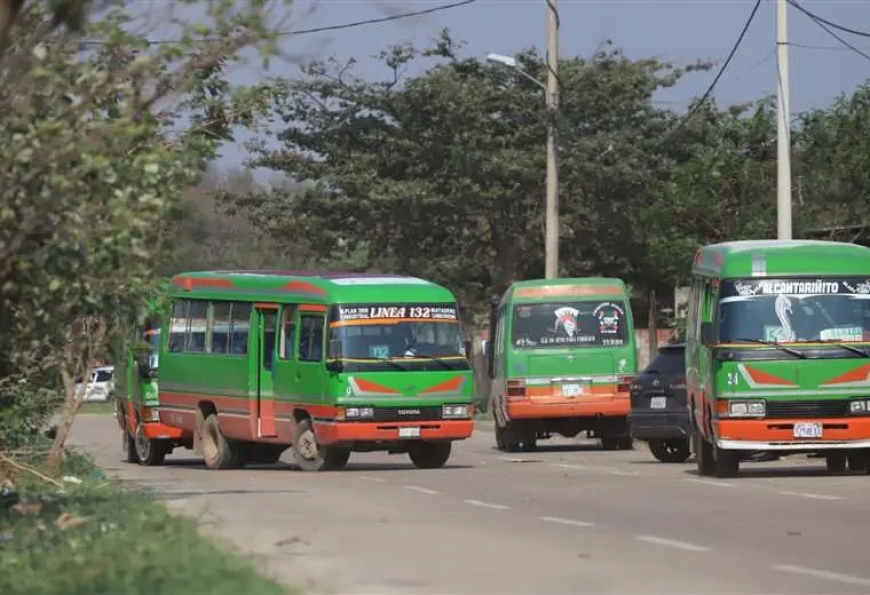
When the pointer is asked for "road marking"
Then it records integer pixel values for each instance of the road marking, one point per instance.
(555, 519)
(518, 460)
(680, 545)
(422, 490)
(370, 478)
(824, 575)
(710, 482)
(623, 473)
(811, 496)
(486, 504)
(567, 466)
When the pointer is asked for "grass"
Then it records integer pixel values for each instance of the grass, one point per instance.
(96, 538)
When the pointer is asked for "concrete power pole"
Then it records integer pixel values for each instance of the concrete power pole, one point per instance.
(551, 234)
(783, 128)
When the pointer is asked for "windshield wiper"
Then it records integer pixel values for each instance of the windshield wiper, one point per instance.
(847, 347)
(387, 360)
(788, 350)
(434, 359)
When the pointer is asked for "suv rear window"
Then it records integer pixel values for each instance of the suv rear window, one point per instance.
(103, 376)
(668, 362)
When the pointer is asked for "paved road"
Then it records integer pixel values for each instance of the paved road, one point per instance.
(566, 519)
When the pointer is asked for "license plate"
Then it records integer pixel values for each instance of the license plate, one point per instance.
(572, 390)
(808, 430)
(409, 432)
(658, 402)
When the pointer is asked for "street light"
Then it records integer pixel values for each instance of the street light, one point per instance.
(551, 221)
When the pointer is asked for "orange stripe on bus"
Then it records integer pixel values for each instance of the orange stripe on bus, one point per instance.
(188, 283)
(265, 305)
(312, 308)
(304, 287)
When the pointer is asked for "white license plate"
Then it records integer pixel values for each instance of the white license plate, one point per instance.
(572, 390)
(658, 402)
(409, 432)
(808, 430)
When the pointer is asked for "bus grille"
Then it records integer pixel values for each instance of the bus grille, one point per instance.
(409, 413)
(805, 409)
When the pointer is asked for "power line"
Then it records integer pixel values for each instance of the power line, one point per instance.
(829, 48)
(822, 23)
(725, 64)
(833, 25)
(337, 27)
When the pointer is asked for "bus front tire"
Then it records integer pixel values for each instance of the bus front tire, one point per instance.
(835, 462)
(506, 438)
(703, 455)
(430, 455)
(149, 452)
(727, 462)
(218, 452)
(310, 456)
(675, 450)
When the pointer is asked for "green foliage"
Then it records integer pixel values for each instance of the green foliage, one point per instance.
(97, 538)
(442, 174)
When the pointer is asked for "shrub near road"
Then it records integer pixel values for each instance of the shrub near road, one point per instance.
(94, 537)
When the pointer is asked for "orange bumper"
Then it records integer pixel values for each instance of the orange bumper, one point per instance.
(157, 430)
(778, 434)
(538, 407)
(345, 432)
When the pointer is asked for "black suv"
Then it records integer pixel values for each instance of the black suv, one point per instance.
(658, 405)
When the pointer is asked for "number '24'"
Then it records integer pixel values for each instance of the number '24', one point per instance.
(732, 378)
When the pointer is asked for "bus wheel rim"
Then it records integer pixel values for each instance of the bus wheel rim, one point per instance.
(143, 445)
(308, 446)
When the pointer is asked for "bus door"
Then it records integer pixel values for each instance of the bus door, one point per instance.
(267, 324)
(309, 380)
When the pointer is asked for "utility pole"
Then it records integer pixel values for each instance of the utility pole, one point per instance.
(551, 233)
(783, 127)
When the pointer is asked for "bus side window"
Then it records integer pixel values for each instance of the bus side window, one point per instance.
(197, 319)
(178, 325)
(288, 332)
(311, 338)
(240, 328)
(220, 327)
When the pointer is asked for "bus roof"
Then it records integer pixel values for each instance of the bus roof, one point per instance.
(311, 286)
(533, 290)
(781, 258)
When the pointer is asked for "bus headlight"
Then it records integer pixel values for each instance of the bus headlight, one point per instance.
(859, 406)
(359, 412)
(454, 412)
(746, 408)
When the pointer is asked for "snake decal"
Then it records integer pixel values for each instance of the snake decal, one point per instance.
(782, 306)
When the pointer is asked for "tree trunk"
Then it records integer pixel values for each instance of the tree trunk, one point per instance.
(71, 405)
(653, 326)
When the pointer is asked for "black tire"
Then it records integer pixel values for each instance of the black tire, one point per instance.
(217, 450)
(858, 461)
(703, 455)
(149, 452)
(128, 447)
(509, 440)
(337, 458)
(430, 455)
(727, 462)
(670, 451)
(625, 443)
(609, 443)
(529, 445)
(309, 455)
(499, 437)
(835, 462)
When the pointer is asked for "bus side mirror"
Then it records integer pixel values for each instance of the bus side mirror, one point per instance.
(707, 337)
(333, 356)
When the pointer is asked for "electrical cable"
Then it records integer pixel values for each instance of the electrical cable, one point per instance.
(833, 25)
(712, 86)
(337, 27)
(821, 23)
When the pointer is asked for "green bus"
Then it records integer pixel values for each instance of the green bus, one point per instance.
(254, 362)
(144, 439)
(562, 357)
(778, 353)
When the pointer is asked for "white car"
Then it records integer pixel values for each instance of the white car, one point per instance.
(100, 386)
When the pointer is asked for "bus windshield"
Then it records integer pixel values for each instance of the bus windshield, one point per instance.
(795, 310)
(570, 324)
(398, 337)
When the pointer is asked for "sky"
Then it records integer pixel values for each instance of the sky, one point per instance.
(681, 31)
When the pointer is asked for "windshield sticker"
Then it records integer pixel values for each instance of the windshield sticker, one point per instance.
(848, 333)
(782, 306)
(567, 319)
(609, 315)
(799, 287)
(772, 332)
(398, 312)
(379, 351)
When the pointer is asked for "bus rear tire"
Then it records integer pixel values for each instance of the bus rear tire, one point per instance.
(128, 447)
(703, 455)
(218, 452)
(430, 455)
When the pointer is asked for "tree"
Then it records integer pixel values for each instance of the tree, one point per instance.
(94, 163)
(442, 174)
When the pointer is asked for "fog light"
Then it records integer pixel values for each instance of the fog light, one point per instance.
(858, 406)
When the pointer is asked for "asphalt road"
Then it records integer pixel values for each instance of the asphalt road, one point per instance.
(566, 519)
